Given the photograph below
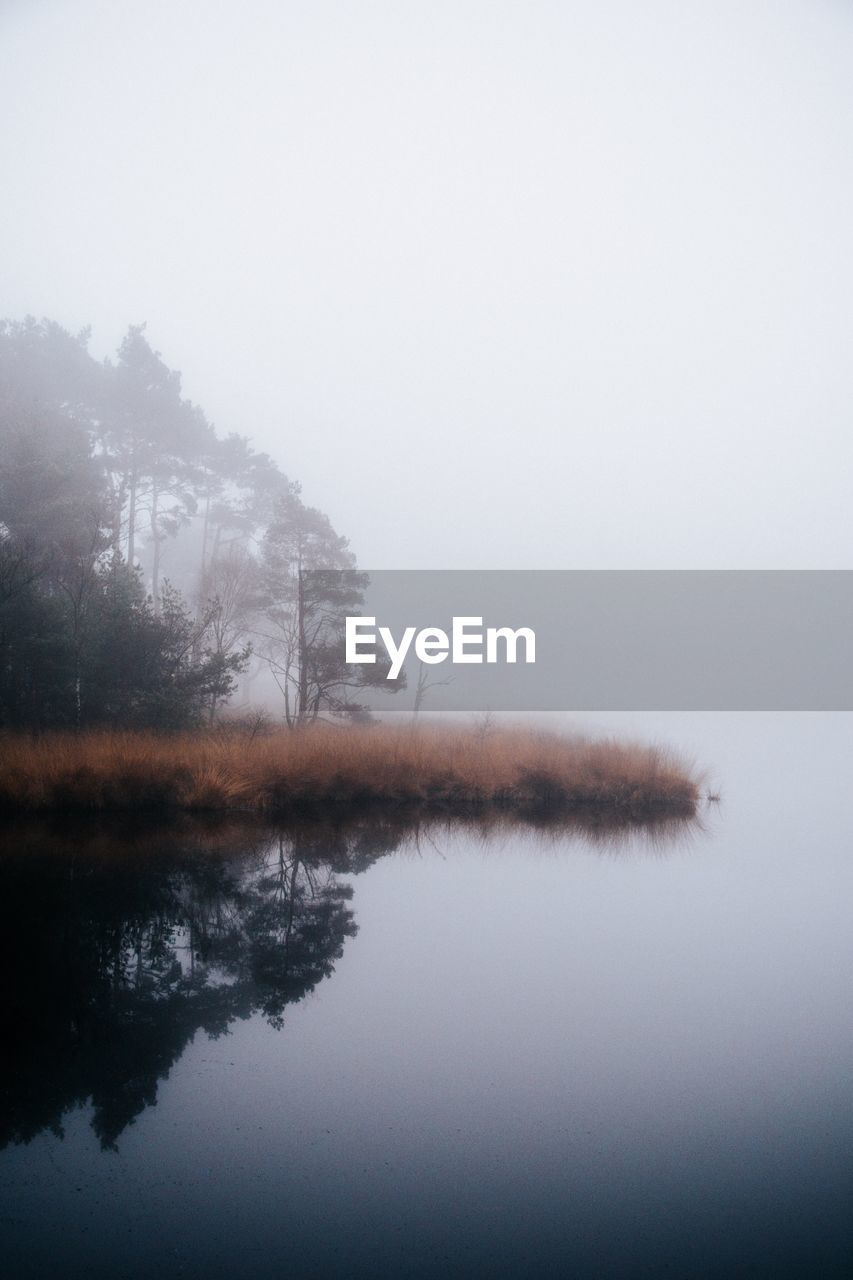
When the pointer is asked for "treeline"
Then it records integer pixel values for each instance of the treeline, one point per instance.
(147, 563)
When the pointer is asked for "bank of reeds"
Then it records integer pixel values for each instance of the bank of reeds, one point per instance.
(432, 770)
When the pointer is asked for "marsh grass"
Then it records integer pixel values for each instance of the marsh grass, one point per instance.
(427, 771)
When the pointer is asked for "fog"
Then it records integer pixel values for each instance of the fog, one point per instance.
(542, 285)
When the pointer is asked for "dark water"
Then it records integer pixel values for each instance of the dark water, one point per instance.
(372, 1052)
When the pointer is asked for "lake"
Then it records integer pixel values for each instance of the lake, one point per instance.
(447, 1052)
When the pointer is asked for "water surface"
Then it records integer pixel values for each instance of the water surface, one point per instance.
(375, 1052)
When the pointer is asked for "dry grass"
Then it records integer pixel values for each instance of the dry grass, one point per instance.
(434, 770)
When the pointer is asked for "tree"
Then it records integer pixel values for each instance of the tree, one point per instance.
(109, 478)
(155, 442)
(230, 599)
(152, 669)
(37, 659)
(54, 512)
(311, 585)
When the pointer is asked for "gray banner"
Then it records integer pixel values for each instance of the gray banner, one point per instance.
(653, 640)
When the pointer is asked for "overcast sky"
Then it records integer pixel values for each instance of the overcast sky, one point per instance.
(504, 284)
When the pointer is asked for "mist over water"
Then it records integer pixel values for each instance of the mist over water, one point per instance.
(517, 1055)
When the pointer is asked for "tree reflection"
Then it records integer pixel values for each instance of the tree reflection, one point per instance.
(118, 946)
(115, 952)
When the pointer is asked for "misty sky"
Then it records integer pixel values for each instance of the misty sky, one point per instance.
(505, 285)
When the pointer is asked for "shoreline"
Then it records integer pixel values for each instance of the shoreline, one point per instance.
(428, 771)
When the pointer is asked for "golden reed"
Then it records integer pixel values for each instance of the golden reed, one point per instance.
(430, 769)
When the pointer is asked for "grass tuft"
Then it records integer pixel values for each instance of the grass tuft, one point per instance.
(430, 770)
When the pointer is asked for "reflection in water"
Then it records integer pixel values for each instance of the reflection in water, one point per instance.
(118, 946)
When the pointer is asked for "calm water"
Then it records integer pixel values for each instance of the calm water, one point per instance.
(465, 1056)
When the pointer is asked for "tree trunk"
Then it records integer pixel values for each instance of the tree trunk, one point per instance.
(204, 531)
(131, 520)
(118, 508)
(302, 705)
(155, 571)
